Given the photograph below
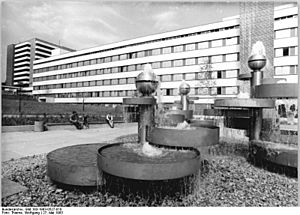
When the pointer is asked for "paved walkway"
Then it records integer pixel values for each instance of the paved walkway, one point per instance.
(21, 144)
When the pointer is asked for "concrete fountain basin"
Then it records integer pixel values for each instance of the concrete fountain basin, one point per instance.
(123, 161)
(195, 136)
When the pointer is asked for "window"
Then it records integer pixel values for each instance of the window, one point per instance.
(279, 52)
(107, 70)
(114, 81)
(86, 84)
(99, 82)
(231, 57)
(100, 60)
(132, 55)
(216, 43)
(190, 76)
(94, 61)
(203, 45)
(203, 60)
(177, 63)
(124, 69)
(294, 32)
(178, 48)
(216, 58)
(294, 69)
(115, 58)
(282, 70)
(106, 82)
(122, 81)
(86, 62)
(168, 92)
(231, 90)
(219, 90)
(166, 78)
(79, 84)
(294, 51)
(107, 59)
(93, 72)
(177, 77)
(283, 33)
(100, 71)
(115, 69)
(114, 93)
(156, 52)
(131, 68)
(141, 54)
(166, 64)
(231, 41)
(166, 50)
(156, 65)
(190, 61)
(231, 73)
(106, 93)
(130, 80)
(219, 74)
(123, 57)
(202, 91)
(92, 83)
(139, 67)
(190, 47)
(285, 51)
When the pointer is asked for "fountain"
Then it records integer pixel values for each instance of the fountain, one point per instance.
(137, 162)
(143, 161)
(262, 95)
(182, 130)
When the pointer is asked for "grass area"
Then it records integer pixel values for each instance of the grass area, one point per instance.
(227, 180)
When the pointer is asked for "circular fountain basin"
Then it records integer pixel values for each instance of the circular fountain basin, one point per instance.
(123, 160)
(74, 165)
(245, 103)
(282, 154)
(206, 135)
(174, 119)
(278, 90)
(188, 114)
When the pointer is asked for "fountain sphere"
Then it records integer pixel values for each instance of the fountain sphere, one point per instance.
(257, 62)
(146, 82)
(184, 88)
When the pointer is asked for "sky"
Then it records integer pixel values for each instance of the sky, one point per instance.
(85, 24)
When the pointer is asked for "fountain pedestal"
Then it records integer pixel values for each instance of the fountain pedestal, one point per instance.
(146, 110)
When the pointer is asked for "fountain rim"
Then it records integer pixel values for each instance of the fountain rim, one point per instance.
(198, 154)
(147, 171)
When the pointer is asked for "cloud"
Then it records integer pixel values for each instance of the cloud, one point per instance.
(165, 21)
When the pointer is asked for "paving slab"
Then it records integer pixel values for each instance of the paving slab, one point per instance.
(15, 145)
(9, 188)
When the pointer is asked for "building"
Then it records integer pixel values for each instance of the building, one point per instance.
(207, 57)
(20, 58)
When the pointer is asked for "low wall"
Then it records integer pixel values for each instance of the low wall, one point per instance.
(51, 127)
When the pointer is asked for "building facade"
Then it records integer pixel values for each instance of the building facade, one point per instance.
(20, 58)
(207, 57)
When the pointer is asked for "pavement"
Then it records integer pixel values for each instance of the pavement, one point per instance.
(15, 145)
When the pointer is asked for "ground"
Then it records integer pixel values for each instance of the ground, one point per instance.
(228, 179)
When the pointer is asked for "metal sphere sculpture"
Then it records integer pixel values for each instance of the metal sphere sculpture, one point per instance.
(257, 62)
(184, 88)
(146, 82)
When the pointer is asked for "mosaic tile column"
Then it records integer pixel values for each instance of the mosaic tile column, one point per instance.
(256, 24)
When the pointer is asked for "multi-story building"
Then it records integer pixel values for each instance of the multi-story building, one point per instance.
(206, 56)
(20, 58)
